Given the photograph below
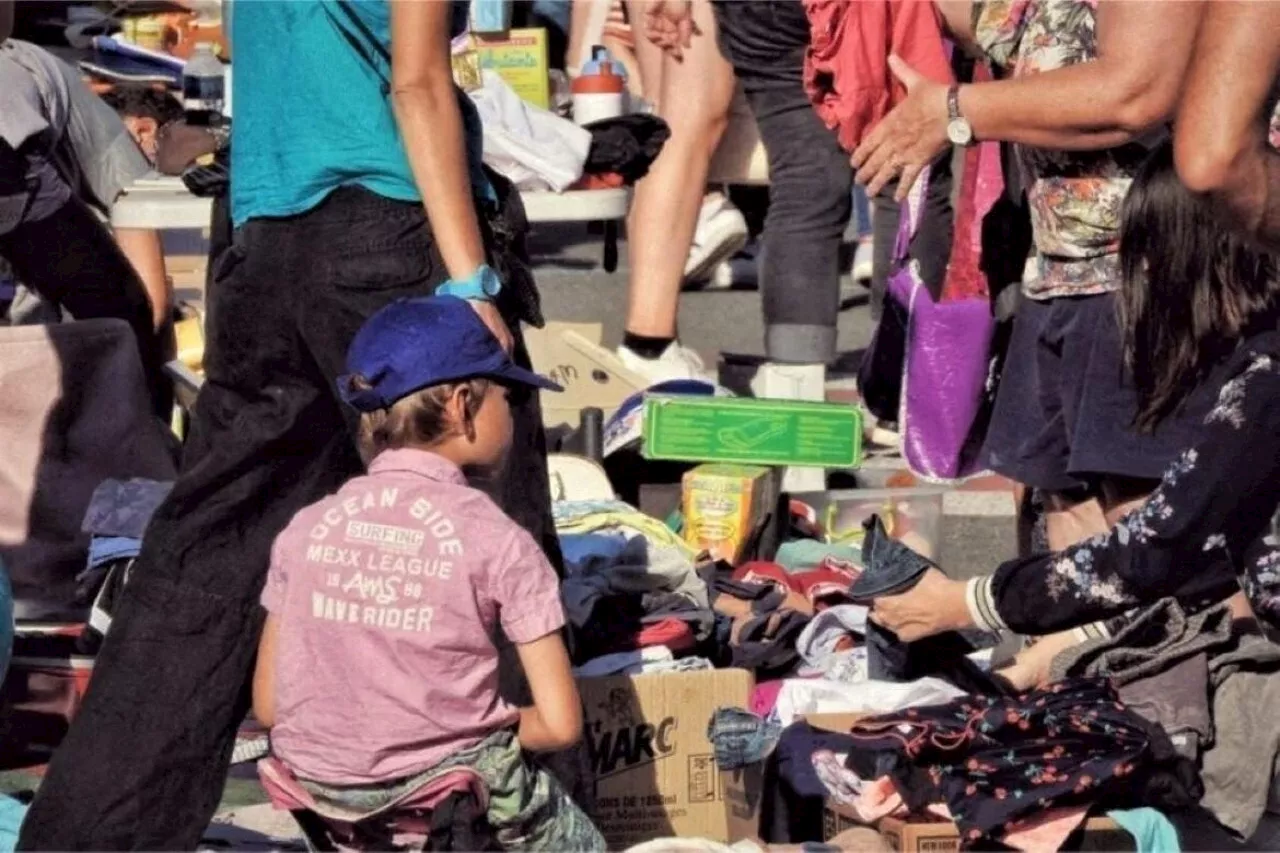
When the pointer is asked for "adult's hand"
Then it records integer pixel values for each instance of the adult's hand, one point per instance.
(488, 312)
(936, 604)
(909, 138)
(1030, 667)
(669, 24)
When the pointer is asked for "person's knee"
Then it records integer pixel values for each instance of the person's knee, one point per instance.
(814, 198)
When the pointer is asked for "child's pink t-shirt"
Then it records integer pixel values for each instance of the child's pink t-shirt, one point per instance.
(388, 594)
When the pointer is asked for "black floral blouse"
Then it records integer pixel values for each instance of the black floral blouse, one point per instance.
(1209, 528)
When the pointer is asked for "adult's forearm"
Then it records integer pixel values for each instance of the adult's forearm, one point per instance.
(430, 121)
(145, 253)
(1080, 108)
(6, 19)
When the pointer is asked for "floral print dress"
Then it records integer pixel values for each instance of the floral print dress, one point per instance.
(1209, 528)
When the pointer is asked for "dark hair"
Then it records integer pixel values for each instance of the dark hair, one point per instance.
(1192, 288)
(418, 420)
(144, 102)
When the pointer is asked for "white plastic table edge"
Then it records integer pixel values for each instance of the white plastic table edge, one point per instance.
(163, 202)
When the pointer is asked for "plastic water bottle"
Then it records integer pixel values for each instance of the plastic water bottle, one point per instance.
(204, 87)
(599, 92)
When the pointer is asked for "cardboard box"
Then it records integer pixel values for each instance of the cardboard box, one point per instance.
(724, 505)
(592, 376)
(917, 836)
(654, 768)
(520, 58)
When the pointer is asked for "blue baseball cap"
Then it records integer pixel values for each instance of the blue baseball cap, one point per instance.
(416, 343)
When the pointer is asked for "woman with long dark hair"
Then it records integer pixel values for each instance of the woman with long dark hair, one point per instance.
(1199, 312)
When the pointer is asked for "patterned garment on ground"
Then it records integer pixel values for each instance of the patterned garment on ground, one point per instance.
(998, 760)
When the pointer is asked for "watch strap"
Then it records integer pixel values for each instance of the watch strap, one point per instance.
(482, 285)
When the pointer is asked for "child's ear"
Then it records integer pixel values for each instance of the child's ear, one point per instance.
(461, 410)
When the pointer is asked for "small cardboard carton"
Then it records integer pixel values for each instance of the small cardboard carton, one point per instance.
(724, 506)
(654, 768)
(592, 376)
(519, 57)
(942, 836)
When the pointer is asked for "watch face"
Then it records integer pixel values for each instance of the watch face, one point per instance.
(960, 132)
(489, 282)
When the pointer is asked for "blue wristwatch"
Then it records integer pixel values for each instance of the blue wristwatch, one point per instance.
(483, 285)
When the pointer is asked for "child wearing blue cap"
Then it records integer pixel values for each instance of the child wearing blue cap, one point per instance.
(378, 669)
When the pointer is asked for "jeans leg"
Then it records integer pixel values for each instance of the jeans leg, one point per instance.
(809, 207)
(809, 174)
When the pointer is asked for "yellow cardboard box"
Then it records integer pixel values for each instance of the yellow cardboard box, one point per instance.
(520, 57)
(725, 504)
(654, 769)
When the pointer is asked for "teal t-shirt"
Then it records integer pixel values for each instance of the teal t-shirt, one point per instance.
(312, 113)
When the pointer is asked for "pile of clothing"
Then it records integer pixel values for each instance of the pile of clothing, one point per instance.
(640, 600)
(1167, 716)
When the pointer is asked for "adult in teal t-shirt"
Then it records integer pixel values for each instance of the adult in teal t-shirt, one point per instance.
(312, 106)
(354, 183)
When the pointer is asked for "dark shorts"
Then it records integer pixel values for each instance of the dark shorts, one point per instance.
(1065, 407)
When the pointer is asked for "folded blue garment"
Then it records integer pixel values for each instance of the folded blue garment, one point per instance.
(104, 549)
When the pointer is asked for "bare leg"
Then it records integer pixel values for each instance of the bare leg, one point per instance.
(693, 97)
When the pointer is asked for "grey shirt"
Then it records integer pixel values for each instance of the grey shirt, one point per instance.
(73, 142)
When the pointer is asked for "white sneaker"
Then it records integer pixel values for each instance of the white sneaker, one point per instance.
(741, 272)
(721, 234)
(676, 362)
(863, 261)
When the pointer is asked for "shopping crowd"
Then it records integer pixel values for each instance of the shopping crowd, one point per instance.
(1075, 232)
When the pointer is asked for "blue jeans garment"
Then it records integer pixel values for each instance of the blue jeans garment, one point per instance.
(741, 738)
(891, 568)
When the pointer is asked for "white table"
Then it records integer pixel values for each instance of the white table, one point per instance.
(163, 202)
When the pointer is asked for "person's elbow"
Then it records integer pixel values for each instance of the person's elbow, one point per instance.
(1206, 160)
(421, 91)
(1139, 104)
(564, 729)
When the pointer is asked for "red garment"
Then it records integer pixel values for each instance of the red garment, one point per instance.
(846, 69)
(675, 634)
(821, 586)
